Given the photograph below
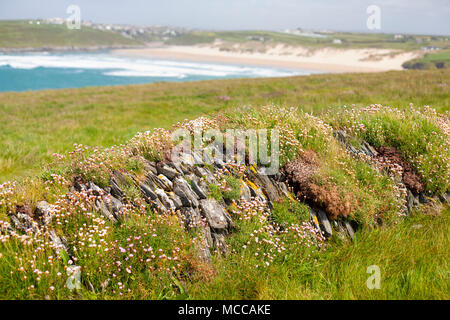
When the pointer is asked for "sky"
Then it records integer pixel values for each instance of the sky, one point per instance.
(396, 16)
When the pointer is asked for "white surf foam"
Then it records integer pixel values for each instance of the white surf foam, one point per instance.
(130, 67)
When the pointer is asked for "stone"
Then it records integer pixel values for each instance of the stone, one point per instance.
(187, 196)
(349, 228)
(57, 242)
(411, 201)
(103, 209)
(115, 204)
(324, 222)
(176, 166)
(196, 188)
(214, 213)
(219, 241)
(175, 200)
(96, 190)
(23, 222)
(43, 212)
(167, 184)
(204, 173)
(145, 189)
(204, 245)
(150, 166)
(192, 217)
(245, 192)
(167, 171)
(267, 185)
(116, 191)
(165, 200)
(444, 198)
(423, 198)
(371, 150)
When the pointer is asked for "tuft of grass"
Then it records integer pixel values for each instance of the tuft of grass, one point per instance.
(421, 135)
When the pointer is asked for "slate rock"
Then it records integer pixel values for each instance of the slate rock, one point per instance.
(324, 222)
(187, 196)
(43, 212)
(165, 200)
(167, 171)
(214, 213)
(196, 188)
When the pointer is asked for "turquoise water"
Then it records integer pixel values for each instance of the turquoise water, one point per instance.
(35, 71)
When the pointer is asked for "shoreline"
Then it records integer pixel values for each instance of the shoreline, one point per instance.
(338, 60)
(68, 49)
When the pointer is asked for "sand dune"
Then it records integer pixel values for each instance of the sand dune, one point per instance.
(282, 56)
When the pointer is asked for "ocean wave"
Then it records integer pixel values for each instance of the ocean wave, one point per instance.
(135, 67)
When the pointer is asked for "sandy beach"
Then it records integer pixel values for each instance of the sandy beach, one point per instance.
(281, 56)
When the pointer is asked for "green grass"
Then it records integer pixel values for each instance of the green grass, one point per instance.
(348, 39)
(35, 124)
(439, 60)
(418, 134)
(18, 34)
(418, 270)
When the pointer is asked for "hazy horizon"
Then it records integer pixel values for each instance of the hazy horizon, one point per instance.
(400, 16)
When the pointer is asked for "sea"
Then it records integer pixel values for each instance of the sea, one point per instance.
(49, 70)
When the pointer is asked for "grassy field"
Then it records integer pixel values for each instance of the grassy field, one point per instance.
(418, 270)
(21, 34)
(348, 40)
(439, 60)
(34, 125)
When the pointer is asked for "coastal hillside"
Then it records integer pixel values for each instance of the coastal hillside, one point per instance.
(19, 35)
(150, 220)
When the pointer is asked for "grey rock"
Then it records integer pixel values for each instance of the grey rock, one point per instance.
(245, 192)
(423, 198)
(324, 222)
(349, 228)
(204, 245)
(219, 241)
(23, 222)
(370, 151)
(196, 188)
(192, 217)
(165, 200)
(175, 200)
(167, 171)
(145, 189)
(115, 204)
(176, 166)
(166, 183)
(411, 201)
(116, 191)
(44, 212)
(150, 166)
(268, 186)
(445, 197)
(57, 242)
(158, 205)
(214, 213)
(187, 196)
(103, 209)
(204, 173)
